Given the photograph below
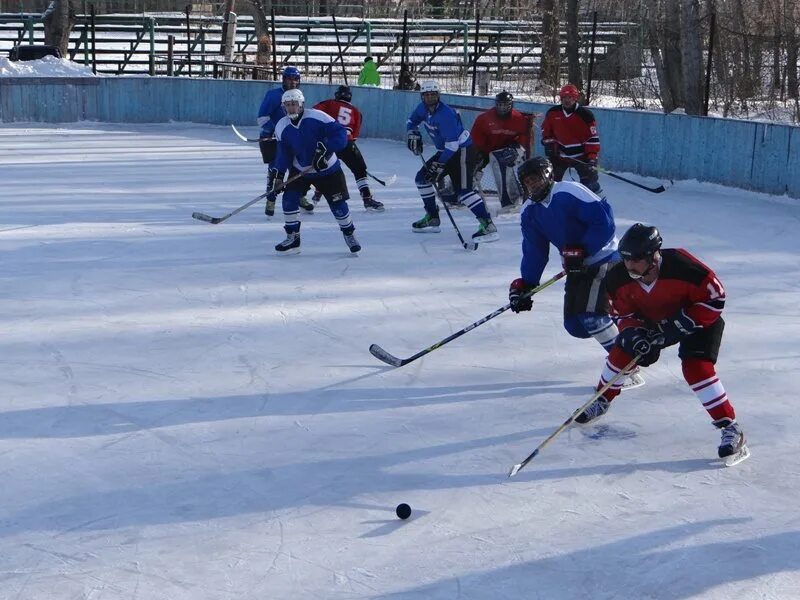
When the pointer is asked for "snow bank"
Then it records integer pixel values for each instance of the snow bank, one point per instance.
(49, 66)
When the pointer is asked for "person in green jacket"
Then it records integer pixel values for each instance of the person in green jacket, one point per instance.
(369, 73)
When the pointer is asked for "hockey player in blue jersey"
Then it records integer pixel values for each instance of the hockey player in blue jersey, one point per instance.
(308, 140)
(581, 226)
(455, 156)
(269, 113)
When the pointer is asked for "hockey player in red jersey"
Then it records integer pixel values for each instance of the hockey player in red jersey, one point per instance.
(666, 297)
(570, 139)
(341, 110)
(502, 135)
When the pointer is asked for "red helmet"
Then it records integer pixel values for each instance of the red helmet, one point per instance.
(569, 91)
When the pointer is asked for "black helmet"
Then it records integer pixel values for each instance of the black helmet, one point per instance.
(503, 103)
(343, 92)
(640, 241)
(540, 169)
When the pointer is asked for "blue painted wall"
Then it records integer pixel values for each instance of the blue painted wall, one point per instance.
(756, 156)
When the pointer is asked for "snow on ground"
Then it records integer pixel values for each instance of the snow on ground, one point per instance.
(185, 415)
(48, 66)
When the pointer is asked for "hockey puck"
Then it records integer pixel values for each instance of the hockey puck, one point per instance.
(403, 511)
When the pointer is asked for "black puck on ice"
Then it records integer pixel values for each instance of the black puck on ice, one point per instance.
(403, 511)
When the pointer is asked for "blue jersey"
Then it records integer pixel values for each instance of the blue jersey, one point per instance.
(271, 111)
(297, 141)
(444, 126)
(571, 215)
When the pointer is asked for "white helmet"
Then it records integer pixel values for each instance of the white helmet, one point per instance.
(293, 95)
(428, 86)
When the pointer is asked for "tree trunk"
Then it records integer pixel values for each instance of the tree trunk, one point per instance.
(692, 57)
(551, 47)
(573, 40)
(791, 48)
(654, 37)
(672, 49)
(259, 9)
(58, 22)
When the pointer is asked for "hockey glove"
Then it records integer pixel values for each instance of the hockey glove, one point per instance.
(433, 170)
(414, 142)
(320, 161)
(641, 342)
(572, 259)
(591, 165)
(516, 296)
(674, 329)
(274, 184)
(551, 151)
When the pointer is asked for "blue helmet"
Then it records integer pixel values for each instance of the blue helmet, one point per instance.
(291, 73)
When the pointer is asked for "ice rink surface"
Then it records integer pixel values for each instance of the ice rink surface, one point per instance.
(185, 415)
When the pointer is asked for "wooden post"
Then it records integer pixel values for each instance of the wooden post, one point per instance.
(274, 45)
(188, 41)
(709, 63)
(339, 43)
(170, 55)
(475, 47)
(93, 17)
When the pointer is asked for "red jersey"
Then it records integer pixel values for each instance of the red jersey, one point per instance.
(684, 285)
(575, 133)
(491, 132)
(344, 112)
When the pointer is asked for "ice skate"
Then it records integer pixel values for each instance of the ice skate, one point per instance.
(594, 411)
(373, 205)
(633, 380)
(316, 197)
(291, 245)
(350, 239)
(306, 206)
(487, 232)
(732, 447)
(427, 224)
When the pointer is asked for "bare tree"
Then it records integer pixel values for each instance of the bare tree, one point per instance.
(692, 57)
(573, 41)
(58, 20)
(551, 44)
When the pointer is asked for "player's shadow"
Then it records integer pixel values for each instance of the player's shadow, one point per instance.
(222, 492)
(666, 564)
(126, 417)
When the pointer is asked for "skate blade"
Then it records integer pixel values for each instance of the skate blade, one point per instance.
(290, 252)
(427, 230)
(376, 210)
(740, 456)
(633, 383)
(485, 239)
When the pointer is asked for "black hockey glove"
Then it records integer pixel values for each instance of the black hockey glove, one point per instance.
(677, 327)
(433, 170)
(572, 259)
(641, 342)
(414, 142)
(551, 151)
(516, 296)
(274, 184)
(591, 166)
(320, 161)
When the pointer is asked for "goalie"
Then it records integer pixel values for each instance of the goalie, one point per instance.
(503, 137)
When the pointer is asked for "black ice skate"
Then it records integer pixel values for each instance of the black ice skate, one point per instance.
(291, 245)
(306, 206)
(487, 232)
(427, 224)
(732, 448)
(317, 196)
(350, 239)
(372, 205)
(594, 411)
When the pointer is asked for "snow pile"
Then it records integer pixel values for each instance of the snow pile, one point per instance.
(48, 66)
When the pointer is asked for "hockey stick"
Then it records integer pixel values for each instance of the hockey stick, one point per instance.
(516, 468)
(244, 138)
(389, 180)
(217, 220)
(467, 245)
(654, 190)
(389, 359)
